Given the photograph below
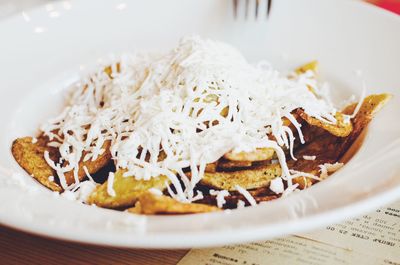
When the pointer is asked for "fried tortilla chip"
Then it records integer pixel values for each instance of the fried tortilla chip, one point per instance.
(211, 167)
(311, 66)
(109, 70)
(30, 156)
(92, 166)
(150, 203)
(247, 179)
(303, 182)
(259, 154)
(329, 148)
(341, 128)
(370, 106)
(260, 195)
(228, 165)
(127, 190)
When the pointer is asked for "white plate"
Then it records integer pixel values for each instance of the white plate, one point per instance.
(41, 54)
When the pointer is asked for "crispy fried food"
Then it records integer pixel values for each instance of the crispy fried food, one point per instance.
(370, 106)
(127, 190)
(259, 154)
(92, 166)
(260, 195)
(109, 70)
(303, 182)
(30, 156)
(150, 203)
(211, 167)
(228, 165)
(341, 128)
(311, 66)
(329, 148)
(248, 179)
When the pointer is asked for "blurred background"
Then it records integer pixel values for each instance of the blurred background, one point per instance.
(9, 7)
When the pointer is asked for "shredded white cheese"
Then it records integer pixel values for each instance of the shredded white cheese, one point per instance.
(194, 104)
(240, 204)
(246, 194)
(360, 101)
(290, 190)
(296, 174)
(155, 191)
(327, 168)
(220, 196)
(276, 185)
(88, 174)
(85, 189)
(110, 184)
(311, 158)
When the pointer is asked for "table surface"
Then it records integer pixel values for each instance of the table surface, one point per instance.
(21, 248)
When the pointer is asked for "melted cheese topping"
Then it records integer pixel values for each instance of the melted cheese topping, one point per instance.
(192, 105)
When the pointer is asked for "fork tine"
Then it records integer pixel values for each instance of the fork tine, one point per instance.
(269, 5)
(257, 5)
(247, 9)
(235, 8)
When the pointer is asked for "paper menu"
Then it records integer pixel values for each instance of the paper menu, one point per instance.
(372, 239)
(377, 233)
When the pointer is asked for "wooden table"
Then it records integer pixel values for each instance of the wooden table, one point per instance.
(20, 248)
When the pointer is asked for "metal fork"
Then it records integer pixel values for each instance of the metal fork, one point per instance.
(236, 8)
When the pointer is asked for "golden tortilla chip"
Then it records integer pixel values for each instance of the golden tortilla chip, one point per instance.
(247, 179)
(260, 195)
(226, 165)
(92, 166)
(329, 148)
(303, 182)
(370, 106)
(30, 156)
(150, 203)
(109, 70)
(127, 190)
(211, 167)
(311, 66)
(259, 154)
(341, 128)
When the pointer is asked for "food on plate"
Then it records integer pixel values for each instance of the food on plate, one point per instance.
(151, 203)
(311, 66)
(341, 128)
(29, 154)
(196, 129)
(89, 165)
(260, 154)
(125, 190)
(255, 177)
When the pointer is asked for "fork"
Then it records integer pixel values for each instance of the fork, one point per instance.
(236, 7)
